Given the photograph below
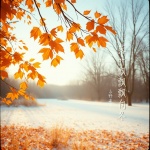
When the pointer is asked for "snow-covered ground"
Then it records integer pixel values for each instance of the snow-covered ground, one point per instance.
(80, 115)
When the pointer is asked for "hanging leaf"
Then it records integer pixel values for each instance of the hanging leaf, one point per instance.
(79, 54)
(90, 25)
(86, 12)
(35, 33)
(36, 65)
(103, 20)
(23, 85)
(3, 74)
(97, 14)
(81, 41)
(110, 29)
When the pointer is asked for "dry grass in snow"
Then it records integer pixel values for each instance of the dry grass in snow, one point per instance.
(61, 138)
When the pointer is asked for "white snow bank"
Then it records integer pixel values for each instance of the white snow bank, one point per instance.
(80, 115)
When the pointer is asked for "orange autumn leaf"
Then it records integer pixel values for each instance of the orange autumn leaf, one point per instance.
(3, 74)
(101, 29)
(23, 86)
(35, 33)
(86, 12)
(44, 39)
(17, 57)
(90, 25)
(102, 41)
(47, 52)
(103, 20)
(53, 32)
(74, 47)
(56, 8)
(110, 29)
(42, 21)
(58, 40)
(73, 1)
(69, 36)
(97, 14)
(48, 3)
(59, 1)
(81, 41)
(29, 3)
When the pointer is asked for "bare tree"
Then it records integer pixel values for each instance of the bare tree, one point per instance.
(94, 72)
(143, 64)
(130, 20)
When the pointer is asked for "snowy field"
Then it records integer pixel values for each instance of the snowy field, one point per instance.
(80, 115)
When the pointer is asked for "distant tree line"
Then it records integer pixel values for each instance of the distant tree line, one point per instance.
(82, 91)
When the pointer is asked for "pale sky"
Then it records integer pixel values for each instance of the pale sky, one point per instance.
(70, 68)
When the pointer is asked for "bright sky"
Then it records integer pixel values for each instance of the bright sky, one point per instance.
(70, 68)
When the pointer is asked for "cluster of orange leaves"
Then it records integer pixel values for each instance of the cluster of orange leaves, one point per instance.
(15, 137)
(12, 12)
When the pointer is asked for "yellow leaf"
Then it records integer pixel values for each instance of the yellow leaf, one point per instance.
(86, 12)
(40, 83)
(60, 28)
(79, 54)
(25, 47)
(90, 25)
(21, 92)
(23, 85)
(25, 66)
(36, 65)
(9, 95)
(18, 74)
(32, 59)
(56, 61)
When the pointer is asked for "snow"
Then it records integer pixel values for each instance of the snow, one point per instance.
(80, 115)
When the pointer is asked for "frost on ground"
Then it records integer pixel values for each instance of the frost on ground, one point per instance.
(83, 116)
(80, 115)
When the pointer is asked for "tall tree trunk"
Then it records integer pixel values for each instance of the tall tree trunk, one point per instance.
(129, 99)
